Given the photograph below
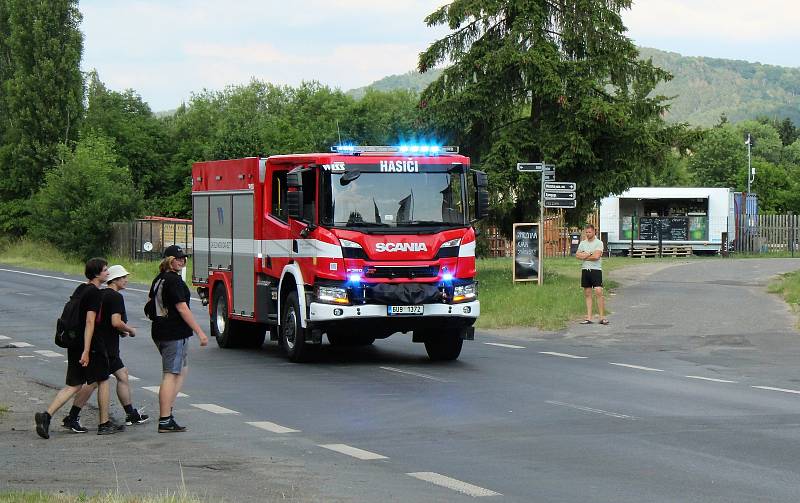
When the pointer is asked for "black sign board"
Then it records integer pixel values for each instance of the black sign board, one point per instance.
(526, 252)
(560, 203)
(560, 186)
(549, 177)
(672, 228)
(558, 195)
(532, 167)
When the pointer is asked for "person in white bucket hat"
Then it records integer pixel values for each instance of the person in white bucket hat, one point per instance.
(112, 326)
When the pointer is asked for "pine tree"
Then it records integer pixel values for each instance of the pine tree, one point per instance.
(42, 101)
(546, 80)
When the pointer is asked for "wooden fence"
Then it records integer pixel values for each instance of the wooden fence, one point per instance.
(764, 234)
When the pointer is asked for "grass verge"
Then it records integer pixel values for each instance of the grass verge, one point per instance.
(788, 287)
(44, 497)
(504, 304)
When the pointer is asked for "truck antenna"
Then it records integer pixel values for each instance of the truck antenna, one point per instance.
(339, 131)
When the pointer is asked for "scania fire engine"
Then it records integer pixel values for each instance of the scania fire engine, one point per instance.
(356, 244)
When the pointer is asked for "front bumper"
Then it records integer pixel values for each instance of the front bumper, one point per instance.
(466, 311)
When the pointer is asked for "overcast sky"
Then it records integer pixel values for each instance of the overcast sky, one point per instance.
(167, 49)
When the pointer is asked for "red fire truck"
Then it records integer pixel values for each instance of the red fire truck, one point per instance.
(355, 244)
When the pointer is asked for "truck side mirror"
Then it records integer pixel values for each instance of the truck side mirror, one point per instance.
(481, 182)
(294, 198)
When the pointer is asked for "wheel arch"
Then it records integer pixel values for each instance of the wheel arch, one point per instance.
(292, 281)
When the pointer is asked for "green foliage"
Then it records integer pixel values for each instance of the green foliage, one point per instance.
(82, 197)
(41, 96)
(718, 158)
(531, 81)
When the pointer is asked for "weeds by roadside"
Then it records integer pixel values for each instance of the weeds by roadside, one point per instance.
(788, 287)
(44, 497)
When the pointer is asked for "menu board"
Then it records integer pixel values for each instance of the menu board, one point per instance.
(672, 228)
(526, 252)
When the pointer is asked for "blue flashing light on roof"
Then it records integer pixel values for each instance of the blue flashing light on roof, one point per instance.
(424, 149)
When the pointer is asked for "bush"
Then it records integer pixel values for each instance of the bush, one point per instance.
(82, 197)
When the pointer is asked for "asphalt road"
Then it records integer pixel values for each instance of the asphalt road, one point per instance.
(691, 394)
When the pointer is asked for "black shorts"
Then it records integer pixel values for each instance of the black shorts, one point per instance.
(591, 278)
(115, 363)
(99, 368)
(76, 373)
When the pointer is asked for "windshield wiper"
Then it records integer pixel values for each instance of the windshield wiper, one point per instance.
(362, 224)
(426, 222)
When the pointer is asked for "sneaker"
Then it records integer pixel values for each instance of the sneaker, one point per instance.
(170, 426)
(74, 424)
(42, 424)
(136, 418)
(109, 428)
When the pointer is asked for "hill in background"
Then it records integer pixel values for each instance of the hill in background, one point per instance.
(703, 88)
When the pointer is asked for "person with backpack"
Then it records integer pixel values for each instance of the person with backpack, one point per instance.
(111, 327)
(86, 301)
(173, 324)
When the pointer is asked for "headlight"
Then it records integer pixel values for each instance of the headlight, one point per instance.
(332, 295)
(463, 293)
(452, 242)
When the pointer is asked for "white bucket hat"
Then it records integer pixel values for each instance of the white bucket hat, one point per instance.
(116, 271)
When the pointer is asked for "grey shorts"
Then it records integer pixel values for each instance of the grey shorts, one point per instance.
(174, 355)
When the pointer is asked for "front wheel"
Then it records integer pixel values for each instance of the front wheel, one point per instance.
(444, 346)
(292, 333)
(221, 327)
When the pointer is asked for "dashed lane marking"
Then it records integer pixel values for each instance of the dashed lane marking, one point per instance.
(19, 345)
(590, 409)
(711, 379)
(416, 374)
(637, 367)
(216, 409)
(4, 337)
(353, 452)
(274, 428)
(784, 390)
(132, 378)
(563, 355)
(155, 389)
(25, 294)
(453, 484)
(48, 353)
(509, 346)
(26, 356)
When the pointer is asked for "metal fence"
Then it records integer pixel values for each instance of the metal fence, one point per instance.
(146, 239)
(765, 234)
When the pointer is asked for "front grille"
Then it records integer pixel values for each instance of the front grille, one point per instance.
(393, 272)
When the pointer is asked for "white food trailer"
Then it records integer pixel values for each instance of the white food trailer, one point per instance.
(683, 216)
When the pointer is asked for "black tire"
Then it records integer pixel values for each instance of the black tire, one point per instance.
(341, 339)
(444, 346)
(221, 327)
(292, 334)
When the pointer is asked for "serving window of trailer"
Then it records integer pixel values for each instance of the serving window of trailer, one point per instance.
(677, 219)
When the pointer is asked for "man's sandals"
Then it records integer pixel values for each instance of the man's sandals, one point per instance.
(603, 321)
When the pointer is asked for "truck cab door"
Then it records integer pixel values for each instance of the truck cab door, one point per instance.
(300, 230)
(277, 246)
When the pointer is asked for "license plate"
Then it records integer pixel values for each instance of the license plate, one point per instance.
(406, 310)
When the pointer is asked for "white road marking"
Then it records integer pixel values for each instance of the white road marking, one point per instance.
(47, 352)
(26, 356)
(711, 379)
(274, 428)
(510, 346)
(770, 388)
(19, 345)
(4, 337)
(25, 294)
(563, 355)
(635, 367)
(353, 452)
(590, 409)
(416, 374)
(454, 484)
(132, 378)
(216, 409)
(154, 389)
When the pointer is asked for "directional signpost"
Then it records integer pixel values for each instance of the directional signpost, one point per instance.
(553, 195)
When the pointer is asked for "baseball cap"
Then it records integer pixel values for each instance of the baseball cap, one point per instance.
(174, 251)
(116, 271)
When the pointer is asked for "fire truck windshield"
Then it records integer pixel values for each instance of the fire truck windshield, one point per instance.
(394, 199)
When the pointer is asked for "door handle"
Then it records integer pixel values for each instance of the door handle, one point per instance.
(294, 246)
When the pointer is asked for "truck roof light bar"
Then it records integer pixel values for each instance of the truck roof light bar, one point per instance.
(388, 149)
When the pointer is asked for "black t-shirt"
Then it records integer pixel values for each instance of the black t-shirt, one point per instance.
(90, 301)
(173, 291)
(113, 303)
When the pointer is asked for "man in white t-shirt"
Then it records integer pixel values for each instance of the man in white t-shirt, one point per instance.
(590, 252)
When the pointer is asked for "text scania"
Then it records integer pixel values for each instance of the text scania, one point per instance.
(399, 167)
(400, 247)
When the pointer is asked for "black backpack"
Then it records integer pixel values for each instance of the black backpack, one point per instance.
(69, 324)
